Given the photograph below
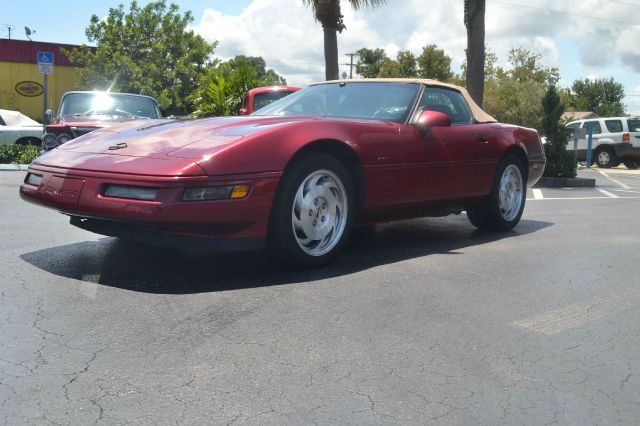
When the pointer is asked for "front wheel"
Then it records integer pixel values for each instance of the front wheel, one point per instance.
(503, 208)
(312, 212)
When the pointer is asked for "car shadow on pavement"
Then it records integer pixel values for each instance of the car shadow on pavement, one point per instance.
(116, 263)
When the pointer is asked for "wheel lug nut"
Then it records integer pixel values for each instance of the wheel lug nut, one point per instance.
(322, 218)
(315, 202)
(324, 205)
(310, 213)
(315, 222)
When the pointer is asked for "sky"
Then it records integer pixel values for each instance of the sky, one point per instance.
(583, 38)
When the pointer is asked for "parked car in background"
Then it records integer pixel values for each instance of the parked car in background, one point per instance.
(297, 175)
(615, 140)
(260, 97)
(84, 112)
(17, 128)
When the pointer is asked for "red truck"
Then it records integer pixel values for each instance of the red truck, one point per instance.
(260, 97)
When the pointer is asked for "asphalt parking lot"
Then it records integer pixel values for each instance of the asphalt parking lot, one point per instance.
(421, 322)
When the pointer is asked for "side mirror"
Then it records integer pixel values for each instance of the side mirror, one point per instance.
(243, 111)
(429, 119)
(48, 116)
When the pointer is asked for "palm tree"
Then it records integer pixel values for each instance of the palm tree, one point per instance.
(474, 21)
(328, 13)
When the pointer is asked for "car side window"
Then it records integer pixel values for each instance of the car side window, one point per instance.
(1, 121)
(573, 125)
(614, 126)
(448, 102)
(595, 126)
(634, 125)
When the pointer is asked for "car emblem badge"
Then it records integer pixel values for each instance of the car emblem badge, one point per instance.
(118, 146)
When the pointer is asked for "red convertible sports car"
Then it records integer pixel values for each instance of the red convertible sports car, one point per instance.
(297, 176)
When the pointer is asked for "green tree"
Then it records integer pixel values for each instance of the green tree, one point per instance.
(602, 96)
(474, 23)
(370, 62)
(526, 67)
(515, 95)
(515, 102)
(268, 76)
(408, 64)
(390, 69)
(329, 14)
(404, 66)
(560, 162)
(221, 90)
(434, 63)
(148, 50)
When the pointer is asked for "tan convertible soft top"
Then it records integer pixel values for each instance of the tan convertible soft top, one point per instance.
(478, 113)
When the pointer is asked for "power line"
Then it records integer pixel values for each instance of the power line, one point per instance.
(562, 12)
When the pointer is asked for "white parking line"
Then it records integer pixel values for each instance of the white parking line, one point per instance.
(616, 181)
(607, 193)
(578, 314)
(537, 194)
(580, 198)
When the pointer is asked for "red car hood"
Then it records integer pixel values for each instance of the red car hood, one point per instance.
(183, 141)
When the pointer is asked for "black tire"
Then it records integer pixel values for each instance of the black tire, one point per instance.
(282, 241)
(488, 214)
(605, 158)
(632, 164)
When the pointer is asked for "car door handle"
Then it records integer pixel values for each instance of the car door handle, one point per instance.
(482, 138)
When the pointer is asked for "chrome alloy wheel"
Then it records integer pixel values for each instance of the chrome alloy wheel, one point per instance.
(511, 190)
(319, 212)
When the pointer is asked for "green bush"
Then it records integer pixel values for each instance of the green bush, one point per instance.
(18, 154)
(560, 162)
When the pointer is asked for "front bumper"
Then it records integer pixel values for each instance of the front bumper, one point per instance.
(162, 237)
(536, 169)
(167, 220)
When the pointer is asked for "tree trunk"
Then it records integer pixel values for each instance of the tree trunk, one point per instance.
(330, 52)
(474, 21)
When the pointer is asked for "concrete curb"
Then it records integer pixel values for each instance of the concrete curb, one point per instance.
(13, 167)
(548, 182)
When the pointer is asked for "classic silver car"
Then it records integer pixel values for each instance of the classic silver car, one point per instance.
(16, 127)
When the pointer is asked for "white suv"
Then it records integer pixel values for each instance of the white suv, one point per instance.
(615, 140)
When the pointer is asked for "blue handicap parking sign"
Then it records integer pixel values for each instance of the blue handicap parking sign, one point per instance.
(45, 57)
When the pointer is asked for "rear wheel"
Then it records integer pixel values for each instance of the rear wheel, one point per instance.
(632, 164)
(312, 213)
(606, 158)
(503, 208)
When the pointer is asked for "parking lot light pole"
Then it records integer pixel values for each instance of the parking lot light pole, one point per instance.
(589, 144)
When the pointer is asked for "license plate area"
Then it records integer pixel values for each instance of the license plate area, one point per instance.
(63, 191)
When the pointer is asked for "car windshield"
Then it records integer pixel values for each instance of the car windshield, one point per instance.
(261, 100)
(101, 103)
(374, 101)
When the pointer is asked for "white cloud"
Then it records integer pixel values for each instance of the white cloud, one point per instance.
(633, 101)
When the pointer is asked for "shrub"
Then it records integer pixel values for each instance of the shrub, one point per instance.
(18, 154)
(560, 162)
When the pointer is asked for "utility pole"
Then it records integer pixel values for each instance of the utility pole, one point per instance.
(351, 55)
